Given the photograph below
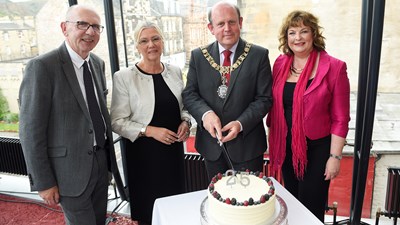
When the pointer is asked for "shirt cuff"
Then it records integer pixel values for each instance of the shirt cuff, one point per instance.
(204, 115)
(241, 127)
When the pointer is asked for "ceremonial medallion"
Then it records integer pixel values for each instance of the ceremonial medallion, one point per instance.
(222, 91)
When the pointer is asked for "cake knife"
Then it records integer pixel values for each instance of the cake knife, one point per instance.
(224, 151)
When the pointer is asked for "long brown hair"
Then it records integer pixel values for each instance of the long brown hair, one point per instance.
(295, 19)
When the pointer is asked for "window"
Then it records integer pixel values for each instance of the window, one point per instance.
(185, 28)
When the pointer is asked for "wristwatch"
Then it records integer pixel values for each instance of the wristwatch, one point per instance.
(143, 132)
(338, 157)
(189, 123)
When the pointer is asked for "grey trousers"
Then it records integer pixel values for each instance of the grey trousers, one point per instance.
(90, 208)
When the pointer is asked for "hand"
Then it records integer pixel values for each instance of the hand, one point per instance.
(233, 129)
(333, 165)
(332, 168)
(162, 135)
(183, 131)
(50, 196)
(212, 124)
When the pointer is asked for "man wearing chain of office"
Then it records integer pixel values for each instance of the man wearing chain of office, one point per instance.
(228, 92)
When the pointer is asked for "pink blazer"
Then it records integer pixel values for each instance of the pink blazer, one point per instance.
(327, 99)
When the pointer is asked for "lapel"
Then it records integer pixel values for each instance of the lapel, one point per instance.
(214, 52)
(69, 73)
(95, 67)
(322, 70)
(215, 75)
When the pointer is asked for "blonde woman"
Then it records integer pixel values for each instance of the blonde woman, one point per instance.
(147, 111)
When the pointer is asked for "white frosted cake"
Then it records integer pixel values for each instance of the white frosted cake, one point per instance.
(241, 199)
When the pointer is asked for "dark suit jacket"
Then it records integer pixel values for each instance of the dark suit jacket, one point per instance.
(248, 100)
(56, 131)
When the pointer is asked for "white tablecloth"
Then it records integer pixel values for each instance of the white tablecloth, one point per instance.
(184, 209)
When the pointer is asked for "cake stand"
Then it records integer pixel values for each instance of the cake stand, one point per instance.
(279, 217)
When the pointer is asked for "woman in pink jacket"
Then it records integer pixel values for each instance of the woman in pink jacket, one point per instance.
(308, 122)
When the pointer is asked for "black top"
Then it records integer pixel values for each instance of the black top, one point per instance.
(288, 92)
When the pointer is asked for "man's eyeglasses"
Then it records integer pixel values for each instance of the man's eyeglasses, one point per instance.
(155, 40)
(82, 25)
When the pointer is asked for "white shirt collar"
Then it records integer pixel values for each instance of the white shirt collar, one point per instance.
(75, 58)
(233, 49)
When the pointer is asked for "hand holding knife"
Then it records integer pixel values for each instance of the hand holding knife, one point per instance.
(224, 151)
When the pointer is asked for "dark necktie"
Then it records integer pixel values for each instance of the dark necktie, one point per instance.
(94, 109)
(227, 62)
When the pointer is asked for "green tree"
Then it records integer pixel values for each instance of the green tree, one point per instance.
(3, 105)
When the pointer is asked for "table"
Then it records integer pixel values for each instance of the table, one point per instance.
(184, 209)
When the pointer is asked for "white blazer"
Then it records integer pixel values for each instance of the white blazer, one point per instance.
(133, 100)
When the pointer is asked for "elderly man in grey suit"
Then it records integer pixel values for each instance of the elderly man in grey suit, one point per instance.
(65, 126)
(229, 94)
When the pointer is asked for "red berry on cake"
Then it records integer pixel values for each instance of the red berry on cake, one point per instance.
(219, 176)
(271, 191)
(262, 199)
(246, 203)
(215, 194)
(228, 201)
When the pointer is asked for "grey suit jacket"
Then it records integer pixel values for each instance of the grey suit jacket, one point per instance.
(248, 100)
(56, 131)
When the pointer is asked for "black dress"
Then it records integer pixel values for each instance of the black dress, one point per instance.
(155, 169)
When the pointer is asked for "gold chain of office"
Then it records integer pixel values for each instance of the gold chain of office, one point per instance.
(226, 69)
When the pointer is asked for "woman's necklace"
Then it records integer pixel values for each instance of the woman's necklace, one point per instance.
(294, 71)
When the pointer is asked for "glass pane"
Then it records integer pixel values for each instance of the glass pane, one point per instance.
(27, 29)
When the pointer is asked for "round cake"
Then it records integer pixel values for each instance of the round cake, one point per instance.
(241, 198)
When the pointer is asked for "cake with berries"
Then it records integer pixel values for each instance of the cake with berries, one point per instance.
(241, 198)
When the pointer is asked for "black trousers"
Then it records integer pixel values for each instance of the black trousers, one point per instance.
(313, 190)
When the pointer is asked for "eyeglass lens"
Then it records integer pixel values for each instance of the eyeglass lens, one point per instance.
(82, 25)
